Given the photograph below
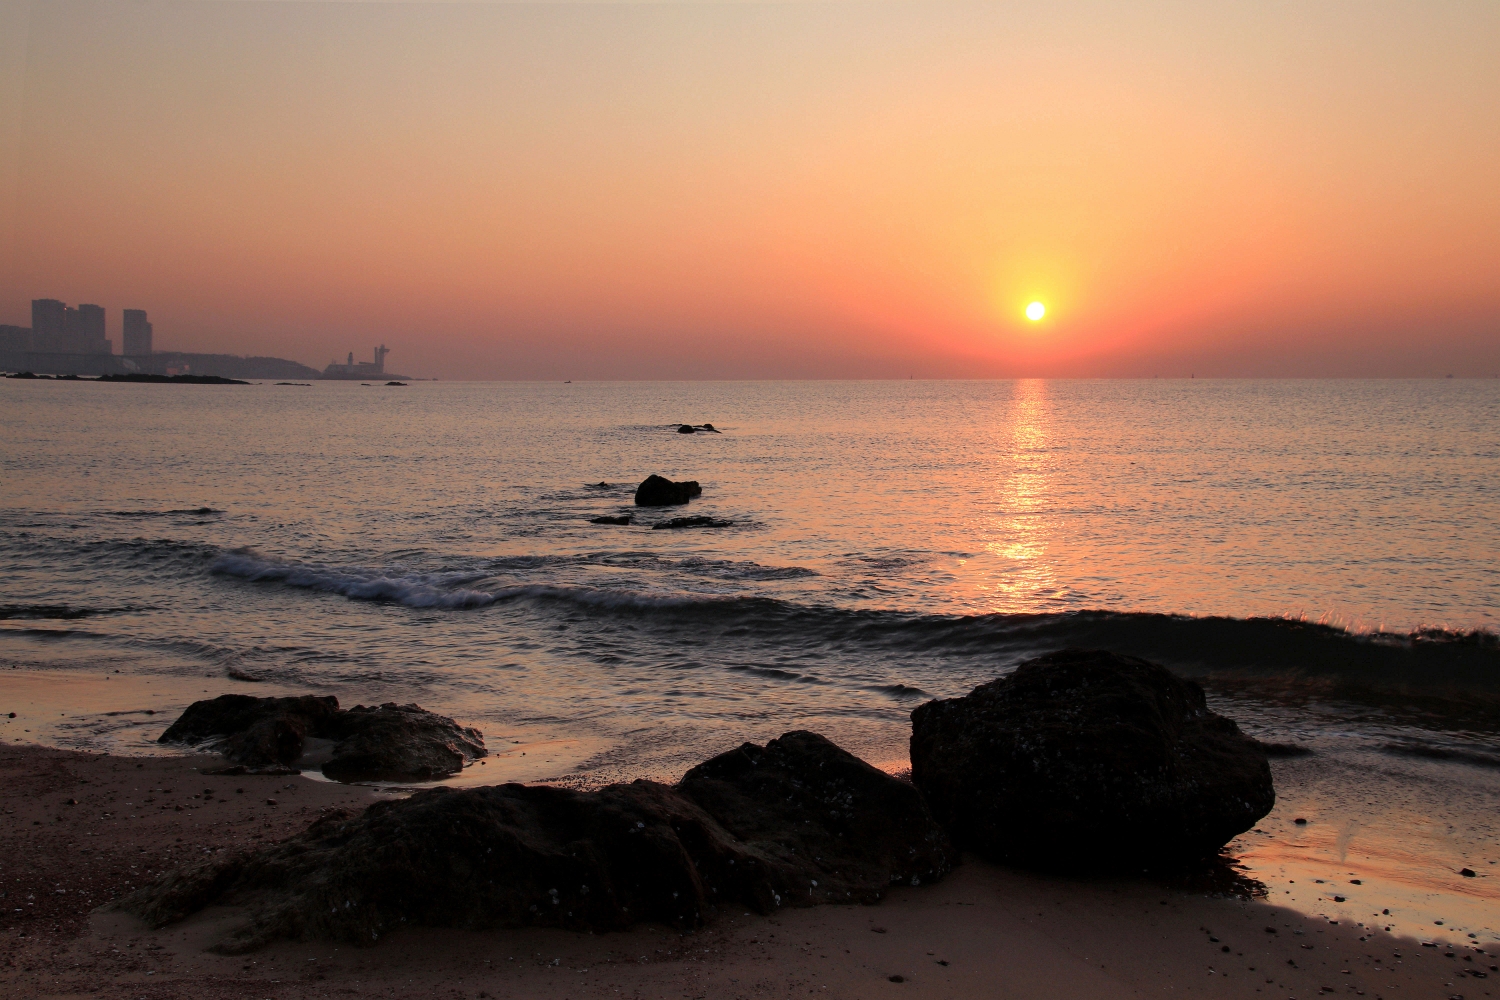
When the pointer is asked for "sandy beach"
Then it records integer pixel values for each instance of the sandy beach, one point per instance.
(82, 829)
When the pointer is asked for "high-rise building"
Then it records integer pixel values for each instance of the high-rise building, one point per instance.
(66, 330)
(48, 321)
(137, 333)
(91, 339)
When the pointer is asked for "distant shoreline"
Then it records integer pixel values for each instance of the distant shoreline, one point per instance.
(134, 377)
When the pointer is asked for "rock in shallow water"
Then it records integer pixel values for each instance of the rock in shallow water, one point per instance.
(255, 732)
(389, 742)
(659, 491)
(794, 823)
(692, 522)
(1088, 759)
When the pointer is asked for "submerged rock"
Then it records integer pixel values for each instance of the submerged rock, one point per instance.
(611, 519)
(692, 522)
(389, 742)
(1088, 759)
(794, 823)
(659, 491)
(685, 429)
(393, 741)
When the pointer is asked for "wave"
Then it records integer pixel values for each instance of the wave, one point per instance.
(725, 569)
(451, 588)
(1478, 756)
(656, 595)
(198, 511)
(31, 551)
(51, 612)
(742, 570)
(418, 590)
(1429, 661)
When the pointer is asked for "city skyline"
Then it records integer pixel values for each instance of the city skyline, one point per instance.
(58, 328)
(69, 340)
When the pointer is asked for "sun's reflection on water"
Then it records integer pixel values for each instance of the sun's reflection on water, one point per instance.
(1021, 577)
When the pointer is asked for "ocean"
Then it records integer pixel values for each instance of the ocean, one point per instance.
(1323, 555)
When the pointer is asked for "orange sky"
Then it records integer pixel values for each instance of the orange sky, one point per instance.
(685, 190)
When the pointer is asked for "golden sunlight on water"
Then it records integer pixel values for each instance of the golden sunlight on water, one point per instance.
(1018, 534)
(1394, 867)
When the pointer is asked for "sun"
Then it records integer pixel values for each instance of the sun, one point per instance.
(1035, 311)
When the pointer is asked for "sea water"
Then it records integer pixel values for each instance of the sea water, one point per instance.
(1321, 554)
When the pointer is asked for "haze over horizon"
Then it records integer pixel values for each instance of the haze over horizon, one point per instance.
(789, 190)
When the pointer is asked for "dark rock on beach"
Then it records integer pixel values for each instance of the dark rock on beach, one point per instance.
(850, 829)
(1091, 760)
(254, 732)
(794, 823)
(611, 519)
(399, 741)
(388, 742)
(692, 522)
(659, 491)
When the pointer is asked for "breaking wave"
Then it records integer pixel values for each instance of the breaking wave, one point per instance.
(1429, 661)
(419, 590)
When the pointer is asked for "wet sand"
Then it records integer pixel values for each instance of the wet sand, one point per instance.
(983, 932)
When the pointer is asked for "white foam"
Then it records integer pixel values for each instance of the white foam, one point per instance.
(415, 590)
(432, 590)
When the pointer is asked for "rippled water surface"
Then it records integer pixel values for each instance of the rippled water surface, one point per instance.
(1298, 544)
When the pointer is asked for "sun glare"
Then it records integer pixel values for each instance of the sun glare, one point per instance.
(1035, 311)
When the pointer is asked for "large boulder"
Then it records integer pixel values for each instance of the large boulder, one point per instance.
(848, 828)
(399, 741)
(254, 732)
(1086, 759)
(659, 491)
(794, 823)
(390, 742)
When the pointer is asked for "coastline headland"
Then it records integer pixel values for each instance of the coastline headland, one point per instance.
(359, 371)
(158, 363)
